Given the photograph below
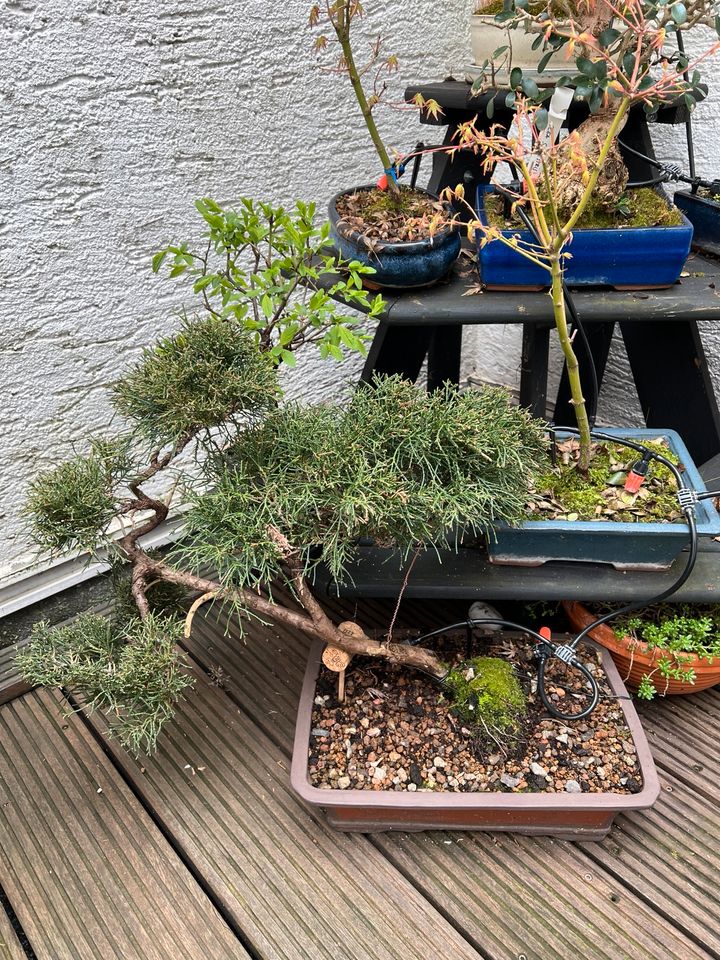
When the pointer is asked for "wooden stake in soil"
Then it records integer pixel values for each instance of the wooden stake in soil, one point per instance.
(337, 660)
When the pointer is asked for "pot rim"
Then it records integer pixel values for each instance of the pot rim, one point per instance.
(431, 800)
(696, 199)
(396, 246)
(708, 519)
(641, 650)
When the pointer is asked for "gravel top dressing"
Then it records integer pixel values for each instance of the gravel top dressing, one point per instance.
(396, 731)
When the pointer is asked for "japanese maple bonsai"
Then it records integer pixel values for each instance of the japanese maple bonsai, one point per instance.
(407, 234)
(264, 480)
(620, 58)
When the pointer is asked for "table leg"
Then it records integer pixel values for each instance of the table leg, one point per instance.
(444, 355)
(397, 350)
(534, 368)
(673, 382)
(599, 337)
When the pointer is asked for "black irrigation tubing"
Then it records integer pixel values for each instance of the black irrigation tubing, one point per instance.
(545, 649)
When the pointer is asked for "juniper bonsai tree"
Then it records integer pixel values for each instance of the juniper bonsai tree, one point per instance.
(268, 481)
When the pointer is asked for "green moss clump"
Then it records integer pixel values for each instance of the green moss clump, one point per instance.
(635, 208)
(487, 695)
(494, 7)
(564, 493)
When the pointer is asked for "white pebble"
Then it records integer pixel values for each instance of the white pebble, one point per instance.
(538, 770)
(572, 786)
(438, 762)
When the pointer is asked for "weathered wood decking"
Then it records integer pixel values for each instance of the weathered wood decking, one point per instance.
(204, 852)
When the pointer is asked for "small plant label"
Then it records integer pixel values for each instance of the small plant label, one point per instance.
(337, 660)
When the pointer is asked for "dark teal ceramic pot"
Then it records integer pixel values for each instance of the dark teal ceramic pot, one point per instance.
(403, 266)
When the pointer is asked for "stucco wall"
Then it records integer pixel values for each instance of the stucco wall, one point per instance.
(115, 116)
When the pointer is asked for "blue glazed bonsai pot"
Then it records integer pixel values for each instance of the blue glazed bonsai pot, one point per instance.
(632, 257)
(627, 546)
(704, 214)
(408, 265)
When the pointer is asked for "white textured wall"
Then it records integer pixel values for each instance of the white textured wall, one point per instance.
(115, 117)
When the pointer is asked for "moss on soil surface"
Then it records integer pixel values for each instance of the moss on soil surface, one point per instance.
(562, 493)
(494, 7)
(485, 691)
(638, 208)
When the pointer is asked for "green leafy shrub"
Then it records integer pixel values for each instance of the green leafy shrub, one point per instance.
(261, 265)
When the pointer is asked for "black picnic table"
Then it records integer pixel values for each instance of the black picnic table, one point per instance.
(668, 364)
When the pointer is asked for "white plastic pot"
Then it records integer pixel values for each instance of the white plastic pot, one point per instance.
(487, 35)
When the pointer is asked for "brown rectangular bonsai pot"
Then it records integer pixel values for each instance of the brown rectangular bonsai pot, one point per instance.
(567, 816)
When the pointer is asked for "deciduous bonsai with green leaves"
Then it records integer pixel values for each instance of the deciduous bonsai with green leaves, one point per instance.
(272, 488)
(620, 58)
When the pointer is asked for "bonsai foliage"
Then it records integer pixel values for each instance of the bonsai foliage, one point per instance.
(129, 669)
(621, 60)
(368, 79)
(393, 463)
(408, 467)
(260, 266)
(189, 394)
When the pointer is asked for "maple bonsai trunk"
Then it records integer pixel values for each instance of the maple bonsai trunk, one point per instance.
(571, 362)
(343, 34)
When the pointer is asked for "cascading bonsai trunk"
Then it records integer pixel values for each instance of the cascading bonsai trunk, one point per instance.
(621, 62)
(266, 480)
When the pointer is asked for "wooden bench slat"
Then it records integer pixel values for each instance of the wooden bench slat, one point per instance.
(10, 946)
(296, 888)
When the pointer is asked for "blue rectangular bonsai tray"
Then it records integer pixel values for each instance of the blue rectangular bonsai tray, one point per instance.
(627, 546)
(623, 257)
(704, 215)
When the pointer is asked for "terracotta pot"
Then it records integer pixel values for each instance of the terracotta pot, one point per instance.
(635, 660)
(567, 816)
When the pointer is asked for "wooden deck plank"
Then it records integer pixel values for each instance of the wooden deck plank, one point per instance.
(510, 895)
(88, 874)
(670, 856)
(10, 947)
(11, 683)
(296, 888)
